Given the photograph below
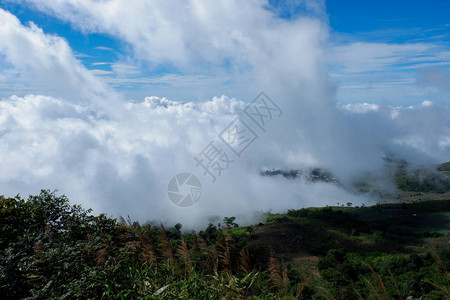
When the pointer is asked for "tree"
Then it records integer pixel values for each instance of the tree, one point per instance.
(229, 222)
(249, 229)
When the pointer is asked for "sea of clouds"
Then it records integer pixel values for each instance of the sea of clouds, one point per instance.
(73, 132)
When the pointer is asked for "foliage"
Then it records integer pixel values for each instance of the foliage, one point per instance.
(51, 249)
(229, 222)
(334, 217)
(422, 181)
(386, 276)
(445, 167)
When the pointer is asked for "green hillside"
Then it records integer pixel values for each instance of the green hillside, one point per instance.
(52, 250)
(444, 167)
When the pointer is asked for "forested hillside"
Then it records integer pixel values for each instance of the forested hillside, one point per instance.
(50, 249)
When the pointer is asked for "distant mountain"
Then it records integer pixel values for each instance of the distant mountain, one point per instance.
(400, 175)
(310, 175)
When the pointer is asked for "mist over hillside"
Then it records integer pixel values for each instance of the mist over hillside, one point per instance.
(71, 130)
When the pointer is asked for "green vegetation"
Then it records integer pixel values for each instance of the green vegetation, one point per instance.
(50, 249)
(444, 168)
(419, 180)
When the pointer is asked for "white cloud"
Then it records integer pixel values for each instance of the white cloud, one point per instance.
(119, 156)
(376, 57)
(247, 37)
(123, 69)
(100, 72)
(243, 40)
(437, 78)
(360, 107)
(189, 34)
(100, 63)
(44, 63)
(104, 48)
(384, 72)
(122, 165)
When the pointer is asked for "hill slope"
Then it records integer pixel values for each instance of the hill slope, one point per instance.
(50, 249)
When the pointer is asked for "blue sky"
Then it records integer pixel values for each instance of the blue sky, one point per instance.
(89, 47)
(412, 38)
(400, 25)
(383, 15)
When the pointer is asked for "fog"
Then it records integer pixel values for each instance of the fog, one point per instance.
(71, 130)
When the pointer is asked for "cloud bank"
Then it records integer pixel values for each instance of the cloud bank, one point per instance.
(74, 133)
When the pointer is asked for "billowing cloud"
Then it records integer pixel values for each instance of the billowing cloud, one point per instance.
(186, 33)
(43, 63)
(118, 156)
(123, 165)
(244, 39)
